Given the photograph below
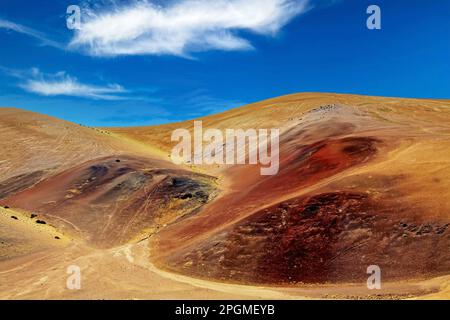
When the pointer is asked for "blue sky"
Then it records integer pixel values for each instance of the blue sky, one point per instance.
(150, 62)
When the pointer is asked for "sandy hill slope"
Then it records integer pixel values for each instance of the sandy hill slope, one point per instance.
(36, 145)
(359, 182)
(287, 111)
(362, 181)
(64, 172)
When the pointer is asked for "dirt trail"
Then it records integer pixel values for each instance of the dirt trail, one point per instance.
(126, 273)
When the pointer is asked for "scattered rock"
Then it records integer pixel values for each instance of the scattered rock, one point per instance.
(327, 107)
(425, 229)
(117, 160)
(14, 217)
(33, 216)
(6, 207)
(442, 229)
(57, 238)
(41, 222)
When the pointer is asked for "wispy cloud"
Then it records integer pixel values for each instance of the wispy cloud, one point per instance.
(62, 84)
(43, 39)
(65, 85)
(182, 26)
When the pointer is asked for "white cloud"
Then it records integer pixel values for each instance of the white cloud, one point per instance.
(182, 27)
(62, 84)
(12, 26)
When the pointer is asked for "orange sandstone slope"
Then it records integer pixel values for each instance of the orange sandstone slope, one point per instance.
(363, 181)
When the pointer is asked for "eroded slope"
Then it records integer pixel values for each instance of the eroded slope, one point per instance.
(113, 200)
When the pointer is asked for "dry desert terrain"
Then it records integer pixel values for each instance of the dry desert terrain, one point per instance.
(362, 181)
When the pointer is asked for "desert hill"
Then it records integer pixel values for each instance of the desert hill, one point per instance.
(362, 181)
